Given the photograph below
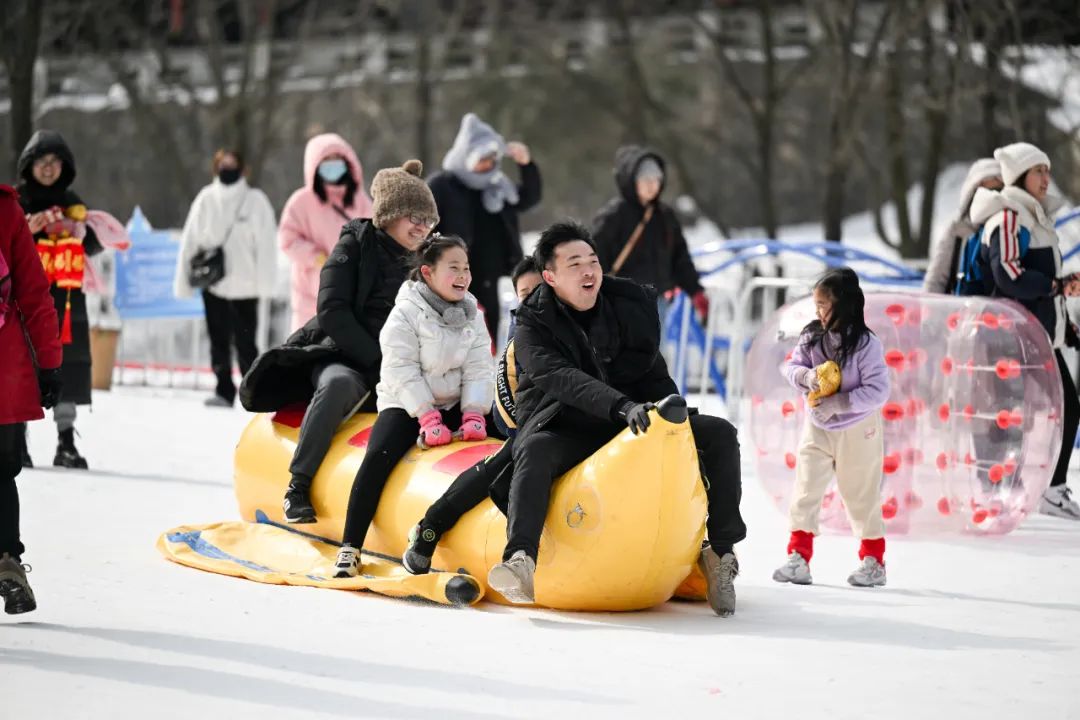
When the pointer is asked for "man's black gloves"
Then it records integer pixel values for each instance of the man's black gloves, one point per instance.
(636, 415)
(50, 384)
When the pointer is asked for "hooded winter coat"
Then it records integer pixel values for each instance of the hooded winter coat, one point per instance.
(28, 329)
(239, 218)
(310, 226)
(432, 359)
(945, 254)
(70, 301)
(1024, 277)
(661, 257)
(357, 288)
(494, 238)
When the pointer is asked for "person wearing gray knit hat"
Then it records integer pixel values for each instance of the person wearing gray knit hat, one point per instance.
(402, 192)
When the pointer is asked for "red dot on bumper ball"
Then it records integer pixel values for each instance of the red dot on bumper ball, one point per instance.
(1005, 322)
(787, 409)
(979, 516)
(996, 473)
(1009, 466)
(942, 461)
(912, 500)
(789, 460)
(969, 459)
(1007, 368)
(990, 320)
(916, 406)
(790, 353)
(953, 321)
(896, 359)
(943, 412)
(891, 463)
(943, 506)
(1003, 418)
(889, 508)
(947, 365)
(913, 456)
(917, 357)
(892, 411)
(896, 313)
(1016, 418)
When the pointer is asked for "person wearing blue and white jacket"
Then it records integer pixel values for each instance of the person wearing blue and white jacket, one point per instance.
(1020, 248)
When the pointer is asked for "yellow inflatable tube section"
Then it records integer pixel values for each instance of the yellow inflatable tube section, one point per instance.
(623, 530)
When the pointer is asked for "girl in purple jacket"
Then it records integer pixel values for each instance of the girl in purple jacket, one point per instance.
(844, 434)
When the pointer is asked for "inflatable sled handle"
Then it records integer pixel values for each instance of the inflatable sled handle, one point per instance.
(673, 409)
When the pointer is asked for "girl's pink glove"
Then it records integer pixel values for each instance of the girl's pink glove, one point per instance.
(473, 427)
(433, 431)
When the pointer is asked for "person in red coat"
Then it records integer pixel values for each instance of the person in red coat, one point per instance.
(30, 355)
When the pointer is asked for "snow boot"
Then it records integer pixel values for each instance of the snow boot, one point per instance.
(719, 572)
(297, 505)
(66, 454)
(513, 578)
(1057, 501)
(14, 587)
(870, 574)
(217, 401)
(796, 570)
(417, 556)
(348, 562)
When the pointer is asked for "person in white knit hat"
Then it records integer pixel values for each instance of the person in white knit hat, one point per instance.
(1020, 250)
(941, 275)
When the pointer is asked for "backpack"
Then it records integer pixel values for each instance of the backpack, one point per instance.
(972, 274)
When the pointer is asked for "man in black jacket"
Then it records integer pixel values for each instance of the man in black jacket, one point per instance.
(588, 346)
(334, 359)
(480, 204)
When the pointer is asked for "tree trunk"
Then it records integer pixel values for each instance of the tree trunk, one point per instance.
(22, 34)
(835, 177)
(895, 144)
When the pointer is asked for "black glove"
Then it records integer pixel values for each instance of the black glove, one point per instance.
(636, 415)
(50, 384)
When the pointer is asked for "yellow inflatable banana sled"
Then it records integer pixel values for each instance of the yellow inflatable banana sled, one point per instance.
(623, 530)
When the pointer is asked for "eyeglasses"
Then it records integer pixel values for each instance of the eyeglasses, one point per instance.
(46, 161)
(422, 221)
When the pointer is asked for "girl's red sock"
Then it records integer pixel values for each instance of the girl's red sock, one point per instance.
(875, 548)
(801, 542)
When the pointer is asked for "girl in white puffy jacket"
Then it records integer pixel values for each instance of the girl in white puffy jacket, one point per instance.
(437, 372)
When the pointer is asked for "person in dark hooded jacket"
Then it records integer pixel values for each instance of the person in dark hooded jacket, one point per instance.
(589, 350)
(659, 255)
(334, 360)
(57, 217)
(479, 203)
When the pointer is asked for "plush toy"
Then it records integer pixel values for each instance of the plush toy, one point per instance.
(828, 377)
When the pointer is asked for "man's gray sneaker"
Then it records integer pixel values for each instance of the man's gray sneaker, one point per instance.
(796, 570)
(1057, 501)
(870, 574)
(14, 587)
(513, 579)
(719, 572)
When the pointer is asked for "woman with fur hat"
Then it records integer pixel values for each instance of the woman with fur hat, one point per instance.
(332, 195)
(480, 204)
(941, 275)
(332, 363)
(1020, 248)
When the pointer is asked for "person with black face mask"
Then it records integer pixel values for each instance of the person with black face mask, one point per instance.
(231, 215)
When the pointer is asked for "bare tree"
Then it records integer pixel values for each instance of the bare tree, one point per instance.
(762, 105)
(853, 63)
(20, 24)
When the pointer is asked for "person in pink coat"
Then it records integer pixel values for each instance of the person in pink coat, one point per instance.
(332, 195)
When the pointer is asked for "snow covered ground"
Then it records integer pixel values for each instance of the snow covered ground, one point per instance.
(967, 627)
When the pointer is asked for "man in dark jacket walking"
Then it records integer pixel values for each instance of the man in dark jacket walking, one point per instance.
(480, 204)
(588, 346)
(334, 359)
(658, 255)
